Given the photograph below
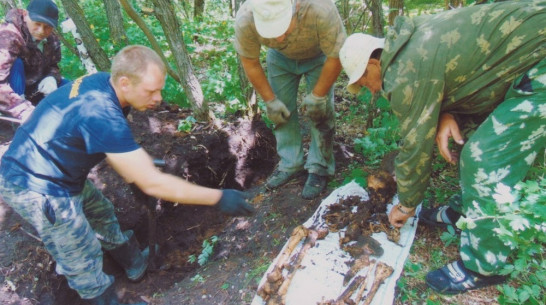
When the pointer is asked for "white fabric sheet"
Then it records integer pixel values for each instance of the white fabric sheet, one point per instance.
(325, 265)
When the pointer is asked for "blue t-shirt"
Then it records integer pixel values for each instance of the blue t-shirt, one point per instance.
(68, 133)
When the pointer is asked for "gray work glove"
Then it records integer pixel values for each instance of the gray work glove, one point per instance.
(47, 85)
(277, 112)
(234, 203)
(316, 108)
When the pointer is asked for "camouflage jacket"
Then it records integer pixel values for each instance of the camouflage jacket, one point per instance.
(16, 42)
(461, 61)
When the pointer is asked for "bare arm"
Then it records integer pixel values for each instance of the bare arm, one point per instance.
(328, 75)
(137, 167)
(256, 76)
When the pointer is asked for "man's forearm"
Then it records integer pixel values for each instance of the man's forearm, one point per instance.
(328, 76)
(257, 78)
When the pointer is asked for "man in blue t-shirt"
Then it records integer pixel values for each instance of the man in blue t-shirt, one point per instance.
(43, 175)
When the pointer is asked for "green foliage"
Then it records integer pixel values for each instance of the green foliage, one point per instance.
(355, 173)
(186, 124)
(520, 215)
(382, 136)
(450, 236)
(198, 278)
(213, 53)
(206, 252)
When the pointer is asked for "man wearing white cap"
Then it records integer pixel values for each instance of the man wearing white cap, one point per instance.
(29, 56)
(440, 72)
(304, 38)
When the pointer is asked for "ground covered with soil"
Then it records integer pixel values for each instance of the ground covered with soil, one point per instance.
(227, 153)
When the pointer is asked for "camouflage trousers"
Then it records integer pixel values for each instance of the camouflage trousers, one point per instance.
(284, 75)
(500, 152)
(73, 229)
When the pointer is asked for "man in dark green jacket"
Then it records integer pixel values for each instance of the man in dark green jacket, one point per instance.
(439, 71)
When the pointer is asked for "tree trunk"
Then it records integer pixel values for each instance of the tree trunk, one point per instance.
(164, 12)
(115, 23)
(396, 8)
(344, 12)
(378, 23)
(234, 6)
(97, 54)
(246, 87)
(142, 25)
(9, 4)
(451, 4)
(198, 9)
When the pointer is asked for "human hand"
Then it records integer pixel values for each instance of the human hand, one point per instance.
(448, 128)
(47, 85)
(277, 111)
(399, 215)
(316, 108)
(234, 203)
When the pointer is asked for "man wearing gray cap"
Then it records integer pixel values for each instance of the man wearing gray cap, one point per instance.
(29, 57)
(304, 38)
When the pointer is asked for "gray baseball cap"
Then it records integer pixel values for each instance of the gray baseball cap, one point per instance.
(45, 11)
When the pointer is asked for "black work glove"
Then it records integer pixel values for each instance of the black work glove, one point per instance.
(234, 203)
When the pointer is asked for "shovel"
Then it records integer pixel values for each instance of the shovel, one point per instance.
(153, 208)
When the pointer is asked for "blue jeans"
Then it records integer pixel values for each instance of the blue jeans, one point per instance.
(17, 77)
(284, 75)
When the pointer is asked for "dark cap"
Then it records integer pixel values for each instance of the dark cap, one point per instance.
(44, 11)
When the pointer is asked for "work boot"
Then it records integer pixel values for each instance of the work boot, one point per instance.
(279, 178)
(313, 186)
(109, 297)
(129, 256)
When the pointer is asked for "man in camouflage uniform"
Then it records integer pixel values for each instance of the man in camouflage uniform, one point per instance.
(29, 57)
(437, 70)
(43, 174)
(304, 38)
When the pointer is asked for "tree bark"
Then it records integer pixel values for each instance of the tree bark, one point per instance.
(115, 23)
(344, 12)
(451, 4)
(155, 45)
(9, 4)
(396, 8)
(97, 54)
(378, 23)
(246, 88)
(164, 12)
(198, 9)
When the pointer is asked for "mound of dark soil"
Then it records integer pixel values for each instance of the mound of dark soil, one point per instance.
(232, 153)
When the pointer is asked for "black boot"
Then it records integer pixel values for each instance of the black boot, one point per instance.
(109, 297)
(129, 256)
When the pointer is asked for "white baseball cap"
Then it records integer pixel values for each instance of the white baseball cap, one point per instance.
(354, 56)
(272, 17)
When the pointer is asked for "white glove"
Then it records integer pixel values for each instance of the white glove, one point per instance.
(47, 85)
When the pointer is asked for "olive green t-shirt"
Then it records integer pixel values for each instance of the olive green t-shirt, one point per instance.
(319, 29)
(460, 61)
